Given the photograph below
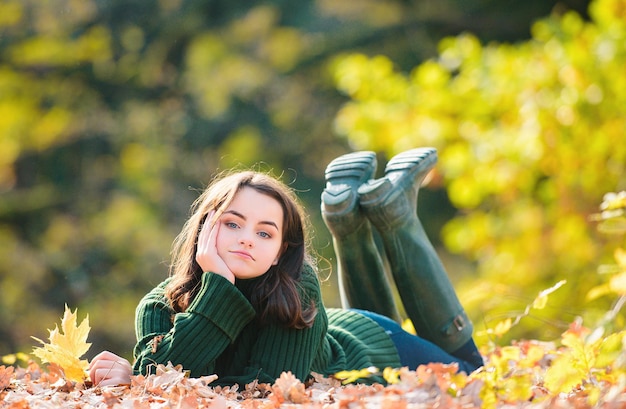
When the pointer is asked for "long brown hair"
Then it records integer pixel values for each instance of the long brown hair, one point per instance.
(276, 296)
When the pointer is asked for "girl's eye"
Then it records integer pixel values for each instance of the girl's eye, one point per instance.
(265, 235)
(232, 225)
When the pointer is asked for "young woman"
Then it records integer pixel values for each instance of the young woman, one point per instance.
(243, 300)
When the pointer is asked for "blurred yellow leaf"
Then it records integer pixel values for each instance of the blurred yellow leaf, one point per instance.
(613, 223)
(620, 257)
(612, 201)
(510, 353)
(598, 291)
(502, 327)
(540, 302)
(66, 348)
(542, 299)
(534, 354)
(391, 375)
(11, 359)
(618, 283)
(518, 387)
(610, 349)
(563, 375)
(407, 325)
(354, 375)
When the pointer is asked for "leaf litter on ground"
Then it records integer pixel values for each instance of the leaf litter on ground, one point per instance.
(430, 386)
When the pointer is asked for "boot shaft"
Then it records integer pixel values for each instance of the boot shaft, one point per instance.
(427, 293)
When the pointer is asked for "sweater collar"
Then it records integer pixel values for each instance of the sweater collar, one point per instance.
(247, 286)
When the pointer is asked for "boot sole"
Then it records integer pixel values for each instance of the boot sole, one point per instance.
(355, 168)
(343, 176)
(420, 158)
(406, 165)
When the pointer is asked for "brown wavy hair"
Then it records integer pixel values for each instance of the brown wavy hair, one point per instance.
(276, 297)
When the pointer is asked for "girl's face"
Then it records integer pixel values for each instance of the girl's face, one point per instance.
(250, 235)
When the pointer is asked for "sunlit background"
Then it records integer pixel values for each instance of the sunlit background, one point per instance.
(114, 114)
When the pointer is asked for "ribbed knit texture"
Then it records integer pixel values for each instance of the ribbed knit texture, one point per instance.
(219, 335)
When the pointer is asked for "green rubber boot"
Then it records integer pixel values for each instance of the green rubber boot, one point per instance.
(362, 280)
(427, 294)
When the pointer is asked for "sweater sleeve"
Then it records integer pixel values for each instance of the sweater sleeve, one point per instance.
(196, 337)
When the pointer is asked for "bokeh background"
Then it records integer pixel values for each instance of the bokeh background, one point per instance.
(114, 114)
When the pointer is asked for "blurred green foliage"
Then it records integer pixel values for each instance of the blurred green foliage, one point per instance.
(113, 114)
(530, 137)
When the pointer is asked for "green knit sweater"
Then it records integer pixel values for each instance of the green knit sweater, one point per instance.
(218, 334)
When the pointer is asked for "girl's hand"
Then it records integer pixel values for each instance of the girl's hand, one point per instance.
(108, 369)
(206, 253)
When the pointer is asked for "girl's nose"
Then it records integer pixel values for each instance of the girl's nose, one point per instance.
(244, 240)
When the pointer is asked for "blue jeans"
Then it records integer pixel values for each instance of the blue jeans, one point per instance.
(415, 351)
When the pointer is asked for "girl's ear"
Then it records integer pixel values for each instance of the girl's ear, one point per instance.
(280, 253)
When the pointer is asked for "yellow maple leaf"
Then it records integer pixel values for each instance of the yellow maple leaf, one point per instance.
(65, 349)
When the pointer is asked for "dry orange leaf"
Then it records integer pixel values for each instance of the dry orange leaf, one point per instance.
(67, 347)
(5, 376)
(290, 388)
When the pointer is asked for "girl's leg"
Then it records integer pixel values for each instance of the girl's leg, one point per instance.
(362, 280)
(427, 294)
(415, 351)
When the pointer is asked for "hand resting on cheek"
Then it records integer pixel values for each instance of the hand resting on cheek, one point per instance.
(206, 253)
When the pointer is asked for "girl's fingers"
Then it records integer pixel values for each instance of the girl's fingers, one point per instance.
(207, 256)
(206, 253)
(211, 245)
(104, 357)
(110, 376)
(207, 227)
(109, 369)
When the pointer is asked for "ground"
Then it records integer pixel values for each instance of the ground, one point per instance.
(432, 386)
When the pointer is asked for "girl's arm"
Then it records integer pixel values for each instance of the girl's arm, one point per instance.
(195, 338)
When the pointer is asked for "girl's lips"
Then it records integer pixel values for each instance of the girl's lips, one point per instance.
(242, 254)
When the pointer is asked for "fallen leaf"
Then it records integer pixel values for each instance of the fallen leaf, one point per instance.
(5, 376)
(290, 388)
(67, 347)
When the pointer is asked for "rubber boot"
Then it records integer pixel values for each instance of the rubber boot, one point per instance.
(427, 294)
(361, 274)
